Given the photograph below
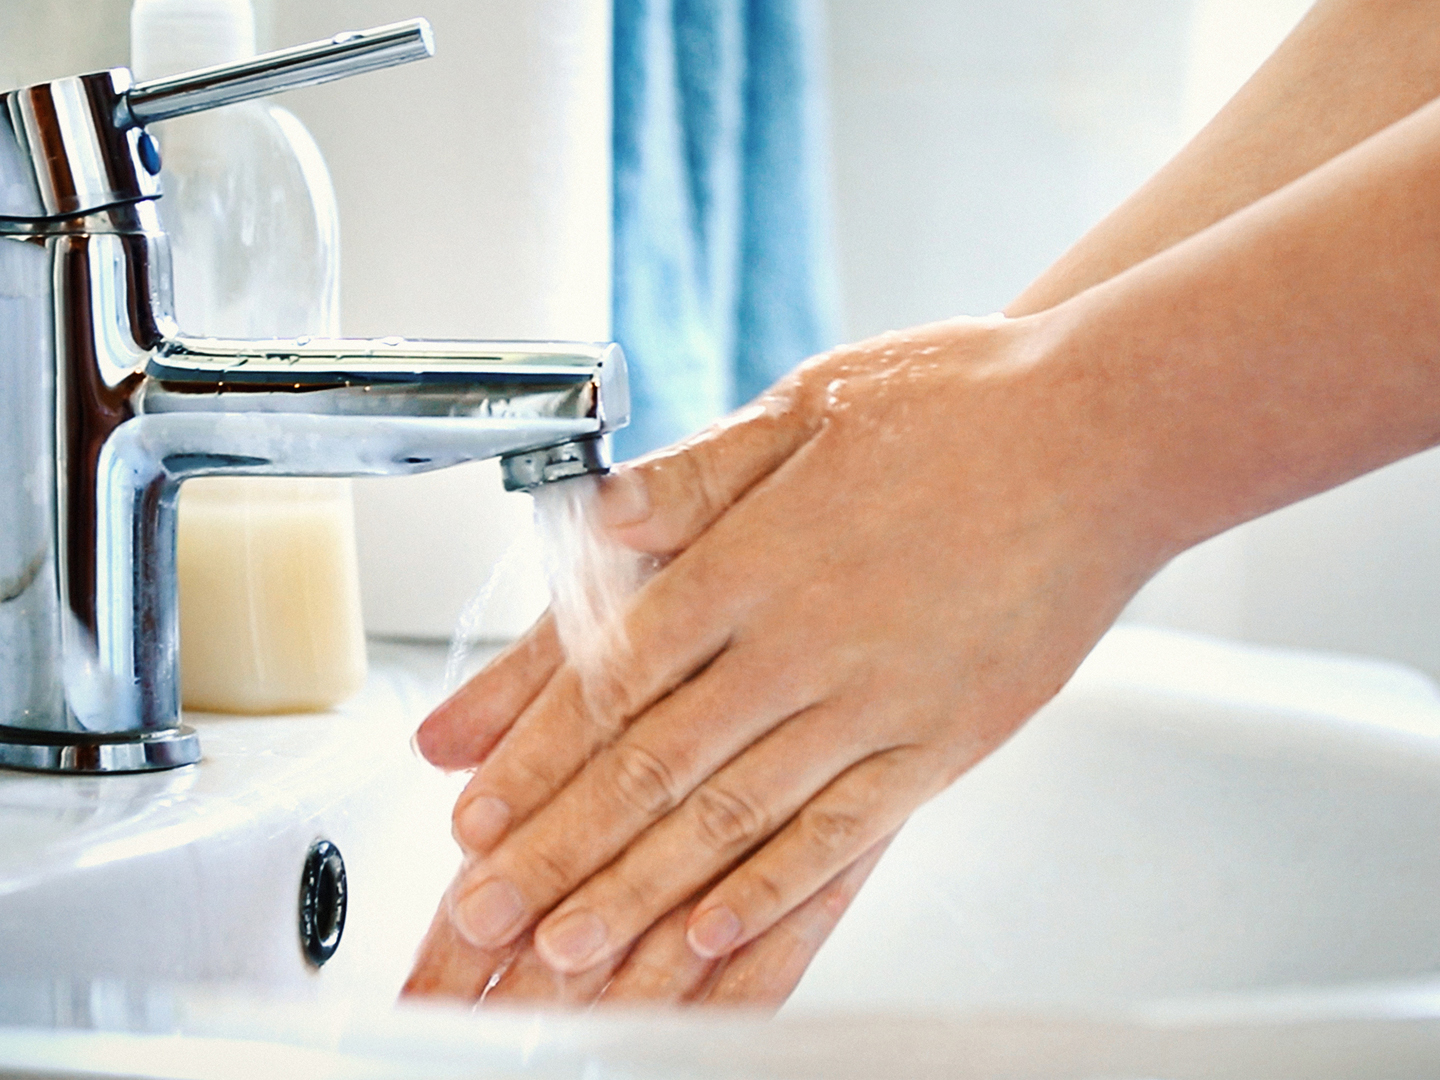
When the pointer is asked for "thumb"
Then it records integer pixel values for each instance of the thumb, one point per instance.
(661, 502)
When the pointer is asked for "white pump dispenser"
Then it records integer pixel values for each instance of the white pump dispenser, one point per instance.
(269, 595)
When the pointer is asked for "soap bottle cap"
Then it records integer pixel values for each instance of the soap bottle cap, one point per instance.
(169, 36)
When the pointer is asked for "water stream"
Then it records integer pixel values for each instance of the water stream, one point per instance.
(591, 579)
(589, 575)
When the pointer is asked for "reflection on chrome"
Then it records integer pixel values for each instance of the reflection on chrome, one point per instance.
(105, 407)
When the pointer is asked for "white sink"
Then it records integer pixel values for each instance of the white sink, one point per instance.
(1187, 817)
(194, 875)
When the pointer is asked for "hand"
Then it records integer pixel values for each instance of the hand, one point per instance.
(660, 969)
(879, 571)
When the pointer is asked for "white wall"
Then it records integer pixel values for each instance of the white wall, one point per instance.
(53, 38)
(974, 141)
(474, 195)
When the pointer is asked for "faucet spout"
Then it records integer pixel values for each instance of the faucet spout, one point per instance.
(89, 635)
(335, 407)
(304, 408)
(105, 409)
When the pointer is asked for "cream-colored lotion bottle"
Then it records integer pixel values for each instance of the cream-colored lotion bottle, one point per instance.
(270, 616)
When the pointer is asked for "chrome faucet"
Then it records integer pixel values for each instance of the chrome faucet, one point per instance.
(106, 408)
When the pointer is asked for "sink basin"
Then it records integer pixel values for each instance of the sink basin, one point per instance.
(194, 875)
(1358, 1034)
(1188, 817)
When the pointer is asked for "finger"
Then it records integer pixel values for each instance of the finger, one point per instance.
(763, 973)
(674, 628)
(467, 725)
(446, 965)
(869, 801)
(661, 502)
(662, 645)
(622, 790)
(536, 757)
(727, 816)
(661, 968)
(529, 981)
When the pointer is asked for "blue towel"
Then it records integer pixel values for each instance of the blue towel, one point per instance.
(723, 278)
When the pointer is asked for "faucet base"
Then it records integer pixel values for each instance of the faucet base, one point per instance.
(75, 752)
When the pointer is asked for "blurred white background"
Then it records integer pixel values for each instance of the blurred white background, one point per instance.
(972, 142)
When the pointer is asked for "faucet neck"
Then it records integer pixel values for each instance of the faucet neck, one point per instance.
(113, 410)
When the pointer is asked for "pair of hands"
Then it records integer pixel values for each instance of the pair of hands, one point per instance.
(872, 576)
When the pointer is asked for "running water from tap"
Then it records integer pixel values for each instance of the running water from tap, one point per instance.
(472, 642)
(591, 579)
(591, 576)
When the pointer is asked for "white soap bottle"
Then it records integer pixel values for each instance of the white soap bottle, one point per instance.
(269, 591)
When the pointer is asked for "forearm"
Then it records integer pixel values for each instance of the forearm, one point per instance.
(1350, 68)
(1288, 348)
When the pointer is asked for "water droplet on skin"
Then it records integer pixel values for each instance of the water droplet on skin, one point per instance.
(496, 975)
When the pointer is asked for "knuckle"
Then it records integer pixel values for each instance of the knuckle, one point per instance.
(704, 484)
(640, 779)
(832, 831)
(725, 820)
(525, 773)
(607, 699)
(552, 870)
(629, 892)
(764, 892)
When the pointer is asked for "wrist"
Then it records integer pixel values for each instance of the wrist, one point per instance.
(1109, 452)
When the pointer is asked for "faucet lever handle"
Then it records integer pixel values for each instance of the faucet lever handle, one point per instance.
(351, 53)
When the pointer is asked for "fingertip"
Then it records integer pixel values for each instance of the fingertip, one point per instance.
(713, 932)
(446, 966)
(627, 510)
(481, 822)
(461, 731)
(429, 743)
(623, 498)
(441, 738)
(490, 915)
(572, 942)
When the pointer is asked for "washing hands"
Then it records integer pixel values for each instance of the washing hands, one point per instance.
(874, 574)
(828, 643)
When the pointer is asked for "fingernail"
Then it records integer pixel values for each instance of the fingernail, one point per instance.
(489, 914)
(483, 822)
(570, 941)
(623, 499)
(713, 933)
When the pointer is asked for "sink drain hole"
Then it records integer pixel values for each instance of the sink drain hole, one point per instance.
(322, 902)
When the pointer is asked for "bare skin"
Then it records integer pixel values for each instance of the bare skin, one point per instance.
(899, 553)
(660, 968)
